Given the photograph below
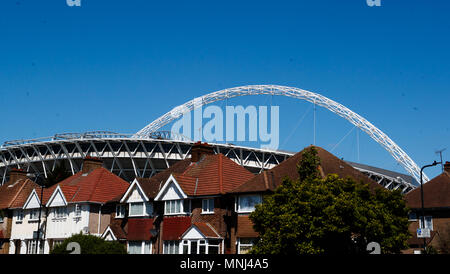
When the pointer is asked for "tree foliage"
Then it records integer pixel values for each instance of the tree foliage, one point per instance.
(328, 215)
(90, 245)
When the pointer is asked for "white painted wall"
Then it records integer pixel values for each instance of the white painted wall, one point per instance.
(59, 228)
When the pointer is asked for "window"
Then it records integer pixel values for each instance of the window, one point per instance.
(247, 203)
(19, 217)
(139, 247)
(34, 214)
(200, 246)
(213, 246)
(428, 222)
(1, 218)
(141, 209)
(77, 212)
(245, 245)
(171, 247)
(176, 207)
(35, 247)
(136, 209)
(60, 212)
(120, 211)
(412, 216)
(207, 206)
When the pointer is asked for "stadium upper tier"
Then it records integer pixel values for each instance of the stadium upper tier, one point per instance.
(130, 157)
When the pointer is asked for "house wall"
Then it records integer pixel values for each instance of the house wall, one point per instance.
(94, 220)
(61, 228)
(23, 230)
(441, 225)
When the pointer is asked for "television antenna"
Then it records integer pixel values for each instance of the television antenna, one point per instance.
(440, 153)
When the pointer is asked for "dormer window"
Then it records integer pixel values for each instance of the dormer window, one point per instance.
(141, 209)
(174, 207)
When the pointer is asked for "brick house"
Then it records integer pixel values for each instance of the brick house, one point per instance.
(436, 194)
(252, 192)
(190, 207)
(17, 188)
(76, 204)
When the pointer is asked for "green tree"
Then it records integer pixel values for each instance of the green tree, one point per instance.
(90, 244)
(328, 215)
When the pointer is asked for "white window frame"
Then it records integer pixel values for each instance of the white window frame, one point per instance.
(412, 213)
(146, 206)
(20, 215)
(143, 245)
(182, 210)
(239, 244)
(209, 206)
(431, 221)
(59, 213)
(238, 203)
(32, 211)
(121, 210)
(175, 245)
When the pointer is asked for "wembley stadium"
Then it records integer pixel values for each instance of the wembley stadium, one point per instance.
(151, 150)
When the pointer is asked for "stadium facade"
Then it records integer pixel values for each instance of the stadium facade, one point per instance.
(129, 157)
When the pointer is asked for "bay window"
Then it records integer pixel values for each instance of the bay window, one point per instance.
(200, 246)
(139, 247)
(171, 247)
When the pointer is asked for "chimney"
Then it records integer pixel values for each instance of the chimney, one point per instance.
(447, 167)
(91, 163)
(17, 174)
(199, 149)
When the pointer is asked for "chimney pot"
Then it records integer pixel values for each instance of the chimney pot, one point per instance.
(91, 163)
(17, 174)
(199, 149)
(447, 167)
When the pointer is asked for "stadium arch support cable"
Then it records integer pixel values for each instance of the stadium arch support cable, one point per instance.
(381, 138)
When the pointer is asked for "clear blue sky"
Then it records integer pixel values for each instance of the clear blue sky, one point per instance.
(118, 65)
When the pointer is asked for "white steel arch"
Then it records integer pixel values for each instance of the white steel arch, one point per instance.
(381, 138)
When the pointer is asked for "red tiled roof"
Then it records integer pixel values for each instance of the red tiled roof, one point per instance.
(116, 228)
(245, 228)
(139, 229)
(213, 174)
(174, 227)
(270, 179)
(14, 194)
(436, 193)
(207, 230)
(97, 186)
(151, 186)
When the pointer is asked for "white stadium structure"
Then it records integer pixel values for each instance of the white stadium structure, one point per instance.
(150, 150)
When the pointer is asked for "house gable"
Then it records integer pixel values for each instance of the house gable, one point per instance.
(170, 191)
(33, 201)
(57, 198)
(134, 194)
(193, 233)
(108, 235)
